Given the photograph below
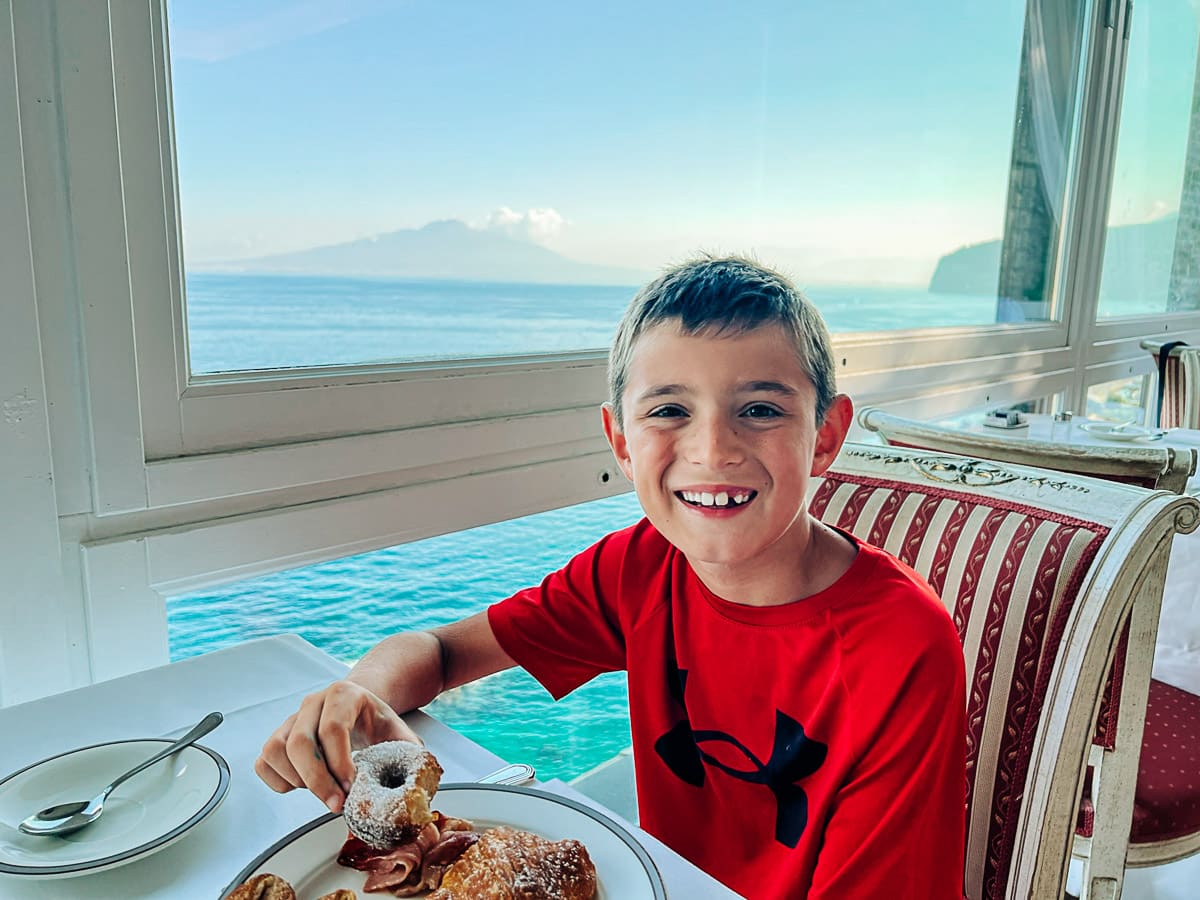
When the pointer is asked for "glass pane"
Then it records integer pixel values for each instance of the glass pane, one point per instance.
(1117, 401)
(1151, 264)
(348, 605)
(432, 180)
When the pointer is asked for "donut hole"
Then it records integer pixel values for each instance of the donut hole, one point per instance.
(393, 777)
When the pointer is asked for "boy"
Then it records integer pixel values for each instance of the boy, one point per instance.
(796, 696)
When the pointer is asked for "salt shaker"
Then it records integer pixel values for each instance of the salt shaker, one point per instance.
(1060, 427)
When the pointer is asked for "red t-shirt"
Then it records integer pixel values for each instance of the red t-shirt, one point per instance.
(814, 749)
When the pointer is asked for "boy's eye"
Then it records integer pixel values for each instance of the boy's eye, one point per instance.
(761, 411)
(667, 411)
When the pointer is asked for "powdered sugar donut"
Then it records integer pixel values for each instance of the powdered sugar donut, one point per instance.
(389, 799)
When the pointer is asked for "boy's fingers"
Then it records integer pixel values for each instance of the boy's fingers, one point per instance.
(273, 765)
(352, 713)
(404, 733)
(307, 756)
(389, 726)
(334, 737)
(312, 748)
(271, 778)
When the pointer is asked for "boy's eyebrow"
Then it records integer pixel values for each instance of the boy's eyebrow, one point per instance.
(749, 387)
(661, 390)
(770, 387)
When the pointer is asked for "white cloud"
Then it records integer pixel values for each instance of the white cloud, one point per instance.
(535, 225)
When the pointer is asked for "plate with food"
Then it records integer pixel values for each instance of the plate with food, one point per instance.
(149, 812)
(402, 834)
(1111, 431)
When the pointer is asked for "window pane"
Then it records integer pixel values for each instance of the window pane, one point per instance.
(1151, 258)
(1117, 401)
(348, 605)
(432, 180)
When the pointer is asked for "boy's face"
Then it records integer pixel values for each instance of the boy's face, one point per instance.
(720, 441)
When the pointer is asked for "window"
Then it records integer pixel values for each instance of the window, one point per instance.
(921, 185)
(1117, 401)
(1151, 251)
(401, 183)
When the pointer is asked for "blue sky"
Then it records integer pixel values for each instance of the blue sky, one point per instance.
(854, 141)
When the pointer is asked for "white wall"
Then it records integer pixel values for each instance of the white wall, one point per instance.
(33, 632)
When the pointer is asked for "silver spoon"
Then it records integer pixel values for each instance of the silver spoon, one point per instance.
(64, 818)
(517, 773)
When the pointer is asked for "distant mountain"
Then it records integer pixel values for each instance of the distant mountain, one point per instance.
(1137, 265)
(969, 270)
(443, 249)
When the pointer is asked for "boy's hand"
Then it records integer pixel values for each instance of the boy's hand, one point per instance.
(312, 747)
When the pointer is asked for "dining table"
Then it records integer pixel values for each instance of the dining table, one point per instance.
(1081, 431)
(255, 685)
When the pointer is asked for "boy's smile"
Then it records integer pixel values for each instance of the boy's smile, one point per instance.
(720, 440)
(717, 499)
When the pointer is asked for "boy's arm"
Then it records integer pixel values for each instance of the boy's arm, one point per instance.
(409, 670)
(312, 747)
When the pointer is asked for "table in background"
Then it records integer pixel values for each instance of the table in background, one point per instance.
(256, 685)
(1041, 427)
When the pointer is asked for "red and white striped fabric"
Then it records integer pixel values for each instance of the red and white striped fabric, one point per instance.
(1009, 575)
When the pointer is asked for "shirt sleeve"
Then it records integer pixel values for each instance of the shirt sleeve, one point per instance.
(897, 828)
(567, 630)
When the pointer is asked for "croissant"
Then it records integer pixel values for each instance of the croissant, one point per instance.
(506, 864)
(272, 887)
(263, 887)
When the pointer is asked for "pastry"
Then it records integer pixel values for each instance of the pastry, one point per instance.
(388, 802)
(505, 863)
(263, 887)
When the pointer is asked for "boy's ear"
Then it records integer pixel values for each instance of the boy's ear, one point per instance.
(832, 433)
(616, 440)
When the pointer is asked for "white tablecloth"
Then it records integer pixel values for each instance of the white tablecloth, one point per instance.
(256, 685)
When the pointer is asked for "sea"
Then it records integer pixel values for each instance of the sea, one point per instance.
(247, 322)
(240, 322)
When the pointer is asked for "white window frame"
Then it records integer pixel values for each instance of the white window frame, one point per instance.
(183, 415)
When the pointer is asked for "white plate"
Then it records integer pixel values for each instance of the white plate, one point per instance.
(1110, 432)
(151, 810)
(307, 857)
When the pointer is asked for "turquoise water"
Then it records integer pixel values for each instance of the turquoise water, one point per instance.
(346, 606)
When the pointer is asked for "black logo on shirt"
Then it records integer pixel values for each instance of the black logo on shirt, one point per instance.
(794, 756)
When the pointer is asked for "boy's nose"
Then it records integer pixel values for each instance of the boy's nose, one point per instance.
(714, 444)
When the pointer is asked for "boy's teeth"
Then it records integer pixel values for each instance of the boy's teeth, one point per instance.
(721, 498)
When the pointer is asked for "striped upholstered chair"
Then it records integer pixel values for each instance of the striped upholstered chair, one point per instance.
(1041, 573)
(1178, 386)
(1166, 810)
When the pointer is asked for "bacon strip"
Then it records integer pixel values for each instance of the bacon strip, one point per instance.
(413, 866)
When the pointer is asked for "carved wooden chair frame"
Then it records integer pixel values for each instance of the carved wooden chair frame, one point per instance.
(1119, 586)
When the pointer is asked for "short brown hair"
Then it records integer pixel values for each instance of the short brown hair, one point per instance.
(723, 295)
